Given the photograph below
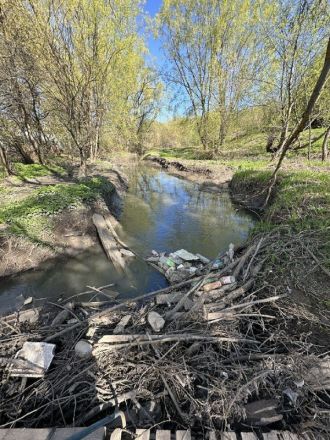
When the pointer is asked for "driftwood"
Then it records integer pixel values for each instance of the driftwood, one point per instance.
(108, 242)
(133, 340)
(63, 315)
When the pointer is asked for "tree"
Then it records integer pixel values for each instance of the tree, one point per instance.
(305, 117)
(292, 32)
(210, 46)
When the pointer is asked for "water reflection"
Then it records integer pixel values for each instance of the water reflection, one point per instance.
(161, 212)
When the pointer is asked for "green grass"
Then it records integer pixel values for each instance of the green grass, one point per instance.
(51, 200)
(301, 199)
(33, 171)
(243, 147)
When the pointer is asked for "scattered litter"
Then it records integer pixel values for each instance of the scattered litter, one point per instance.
(203, 259)
(28, 300)
(300, 383)
(38, 357)
(231, 252)
(185, 255)
(179, 265)
(227, 280)
(292, 395)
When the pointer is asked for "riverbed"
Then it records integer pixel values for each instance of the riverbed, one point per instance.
(160, 212)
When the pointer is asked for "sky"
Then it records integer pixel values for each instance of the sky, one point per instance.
(152, 7)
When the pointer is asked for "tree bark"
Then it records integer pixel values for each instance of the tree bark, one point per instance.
(325, 151)
(5, 161)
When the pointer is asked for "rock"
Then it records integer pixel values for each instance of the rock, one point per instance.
(83, 349)
(262, 412)
(127, 253)
(28, 300)
(203, 259)
(122, 324)
(185, 255)
(30, 316)
(156, 321)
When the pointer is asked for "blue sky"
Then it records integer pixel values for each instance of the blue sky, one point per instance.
(152, 7)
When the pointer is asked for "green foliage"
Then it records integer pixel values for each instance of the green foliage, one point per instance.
(301, 199)
(31, 171)
(53, 199)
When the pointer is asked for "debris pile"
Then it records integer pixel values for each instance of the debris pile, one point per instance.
(181, 264)
(204, 353)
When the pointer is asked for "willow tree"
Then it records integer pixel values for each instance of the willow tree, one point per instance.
(210, 45)
(22, 105)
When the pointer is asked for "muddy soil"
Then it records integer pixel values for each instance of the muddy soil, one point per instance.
(72, 230)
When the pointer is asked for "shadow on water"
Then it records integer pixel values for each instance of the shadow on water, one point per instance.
(161, 212)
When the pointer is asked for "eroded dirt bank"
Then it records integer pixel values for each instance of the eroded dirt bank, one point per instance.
(59, 228)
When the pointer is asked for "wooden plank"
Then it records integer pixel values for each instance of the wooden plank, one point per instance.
(109, 243)
(273, 435)
(228, 436)
(65, 433)
(25, 434)
(183, 435)
(287, 435)
(143, 434)
(162, 434)
(116, 434)
(249, 436)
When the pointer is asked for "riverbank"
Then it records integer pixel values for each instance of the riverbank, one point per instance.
(46, 213)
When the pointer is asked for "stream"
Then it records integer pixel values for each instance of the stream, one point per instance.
(160, 212)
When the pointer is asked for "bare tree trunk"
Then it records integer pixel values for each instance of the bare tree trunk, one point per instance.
(304, 118)
(309, 140)
(83, 163)
(325, 151)
(5, 161)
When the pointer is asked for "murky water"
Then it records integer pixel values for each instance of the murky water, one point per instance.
(160, 212)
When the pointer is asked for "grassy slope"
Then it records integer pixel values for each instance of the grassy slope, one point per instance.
(29, 216)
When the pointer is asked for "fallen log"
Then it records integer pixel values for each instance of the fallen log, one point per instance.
(108, 242)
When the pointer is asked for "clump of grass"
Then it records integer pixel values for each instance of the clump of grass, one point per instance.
(31, 171)
(53, 199)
